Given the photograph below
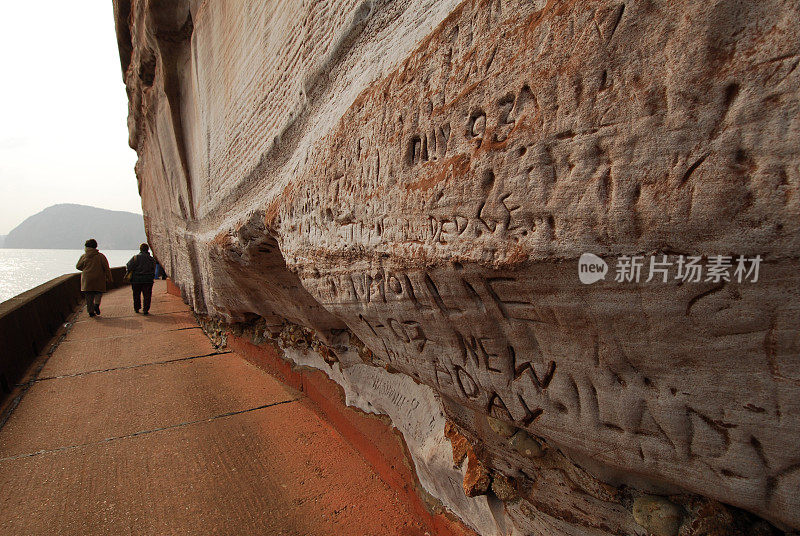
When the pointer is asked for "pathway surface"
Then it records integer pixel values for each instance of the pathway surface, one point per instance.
(138, 425)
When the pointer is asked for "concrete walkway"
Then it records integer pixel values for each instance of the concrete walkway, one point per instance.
(137, 425)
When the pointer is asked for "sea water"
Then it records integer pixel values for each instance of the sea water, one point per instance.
(23, 269)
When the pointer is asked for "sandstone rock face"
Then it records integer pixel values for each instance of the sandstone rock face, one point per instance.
(414, 181)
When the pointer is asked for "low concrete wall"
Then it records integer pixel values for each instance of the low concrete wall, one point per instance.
(29, 320)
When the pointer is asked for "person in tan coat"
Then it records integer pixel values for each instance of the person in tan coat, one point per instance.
(95, 275)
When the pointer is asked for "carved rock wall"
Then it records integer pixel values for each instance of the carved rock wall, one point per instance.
(414, 182)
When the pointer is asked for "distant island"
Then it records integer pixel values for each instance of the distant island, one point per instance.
(68, 226)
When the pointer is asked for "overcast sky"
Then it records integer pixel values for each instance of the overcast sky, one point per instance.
(63, 109)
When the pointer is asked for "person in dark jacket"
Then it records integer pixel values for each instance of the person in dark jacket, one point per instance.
(95, 274)
(143, 269)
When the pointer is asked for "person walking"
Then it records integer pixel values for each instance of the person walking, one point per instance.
(160, 273)
(143, 269)
(95, 275)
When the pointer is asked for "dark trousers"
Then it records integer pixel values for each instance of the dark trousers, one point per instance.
(93, 301)
(139, 290)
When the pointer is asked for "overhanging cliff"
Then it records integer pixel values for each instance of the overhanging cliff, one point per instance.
(413, 182)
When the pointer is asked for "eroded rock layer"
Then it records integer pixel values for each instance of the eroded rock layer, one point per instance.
(410, 184)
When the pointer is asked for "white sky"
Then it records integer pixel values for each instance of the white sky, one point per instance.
(63, 110)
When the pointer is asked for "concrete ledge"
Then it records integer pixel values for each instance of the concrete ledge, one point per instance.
(174, 289)
(376, 441)
(28, 321)
(373, 437)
